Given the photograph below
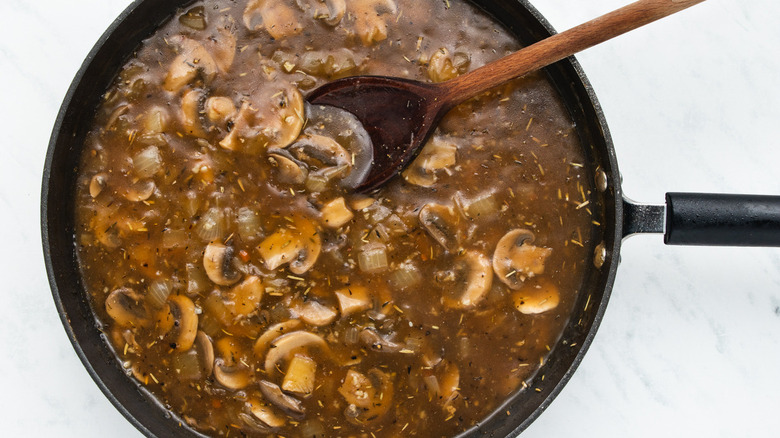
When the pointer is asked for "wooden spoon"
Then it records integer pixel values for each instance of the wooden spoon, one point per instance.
(400, 114)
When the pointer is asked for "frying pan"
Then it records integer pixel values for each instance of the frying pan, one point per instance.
(686, 219)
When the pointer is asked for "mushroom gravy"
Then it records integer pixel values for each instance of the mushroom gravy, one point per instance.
(247, 290)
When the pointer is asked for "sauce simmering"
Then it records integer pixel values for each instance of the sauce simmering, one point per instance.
(240, 283)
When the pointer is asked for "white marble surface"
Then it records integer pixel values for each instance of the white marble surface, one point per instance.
(690, 345)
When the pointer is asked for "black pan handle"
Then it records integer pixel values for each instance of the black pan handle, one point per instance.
(708, 219)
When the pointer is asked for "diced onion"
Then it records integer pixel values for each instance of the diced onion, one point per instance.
(433, 386)
(351, 335)
(187, 365)
(405, 276)
(248, 223)
(485, 205)
(158, 292)
(373, 258)
(191, 204)
(211, 225)
(197, 281)
(312, 428)
(147, 162)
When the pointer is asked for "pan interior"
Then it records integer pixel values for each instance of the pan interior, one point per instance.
(139, 406)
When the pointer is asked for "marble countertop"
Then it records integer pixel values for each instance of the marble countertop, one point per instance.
(690, 344)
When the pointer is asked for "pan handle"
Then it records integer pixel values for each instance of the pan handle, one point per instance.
(707, 219)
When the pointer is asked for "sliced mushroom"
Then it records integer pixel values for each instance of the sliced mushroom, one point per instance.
(230, 367)
(473, 277)
(191, 109)
(193, 60)
(140, 191)
(516, 259)
(218, 263)
(437, 154)
(96, 185)
(264, 341)
(299, 245)
(440, 67)
(536, 298)
(222, 43)
(370, 22)
(128, 308)
(275, 123)
(274, 394)
(336, 214)
(244, 298)
(276, 17)
(219, 109)
(324, 154)
(377, 342)
(329, 11)
(353, 299)
(287, 170)
(205, 352)
(369, 397)
(314, 313)
(266, 414)
(186, 326)
(441, 223)
(300, 375)
(284, 346)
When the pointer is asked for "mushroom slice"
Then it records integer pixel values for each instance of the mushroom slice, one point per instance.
(515, 259)
(300, 375)
(193, 59)
(230, 367)
(441, 223)
(264, 341)
(140, 191)
(183, 311)
(274, 394)
(205, 353)
(298, 245)
(222, 44)
(284, 346)
(127, 307)
(218, 263)
(191, 109)
(538, 298)
(96, 185)
(471, 270)
(287, 170)
(377, 342)
(233, 377)
(219, 109)
(244, 298)
(353, 299)
(370, 397)
(324, 154)
(329, 11)
(266, 414)
(314, 313)
(437, 154)
(267, 126)
(276, 17)
(370, 22)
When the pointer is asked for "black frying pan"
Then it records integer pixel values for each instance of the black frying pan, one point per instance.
(686, 219)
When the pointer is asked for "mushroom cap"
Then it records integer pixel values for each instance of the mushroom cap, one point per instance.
(471, 269)
(441, 222)
(284, 346)
(329, 11)
(264, 341)
(299, 245)
(218, 264)
(273, 393)
(324, 154)
(276, 17)
(127, 308)
(515, 259)
(193, 59)
(183, 311)
(536, 297)
(288, 170)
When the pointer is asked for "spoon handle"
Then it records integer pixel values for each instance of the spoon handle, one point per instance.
(559, 46)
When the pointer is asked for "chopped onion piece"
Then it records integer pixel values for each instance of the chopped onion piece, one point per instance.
(174, 238)
(211, 225)
(148, 162)
(249, 226)
(187, 365)
(405, 276)
(373, 258)
(158, 292)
